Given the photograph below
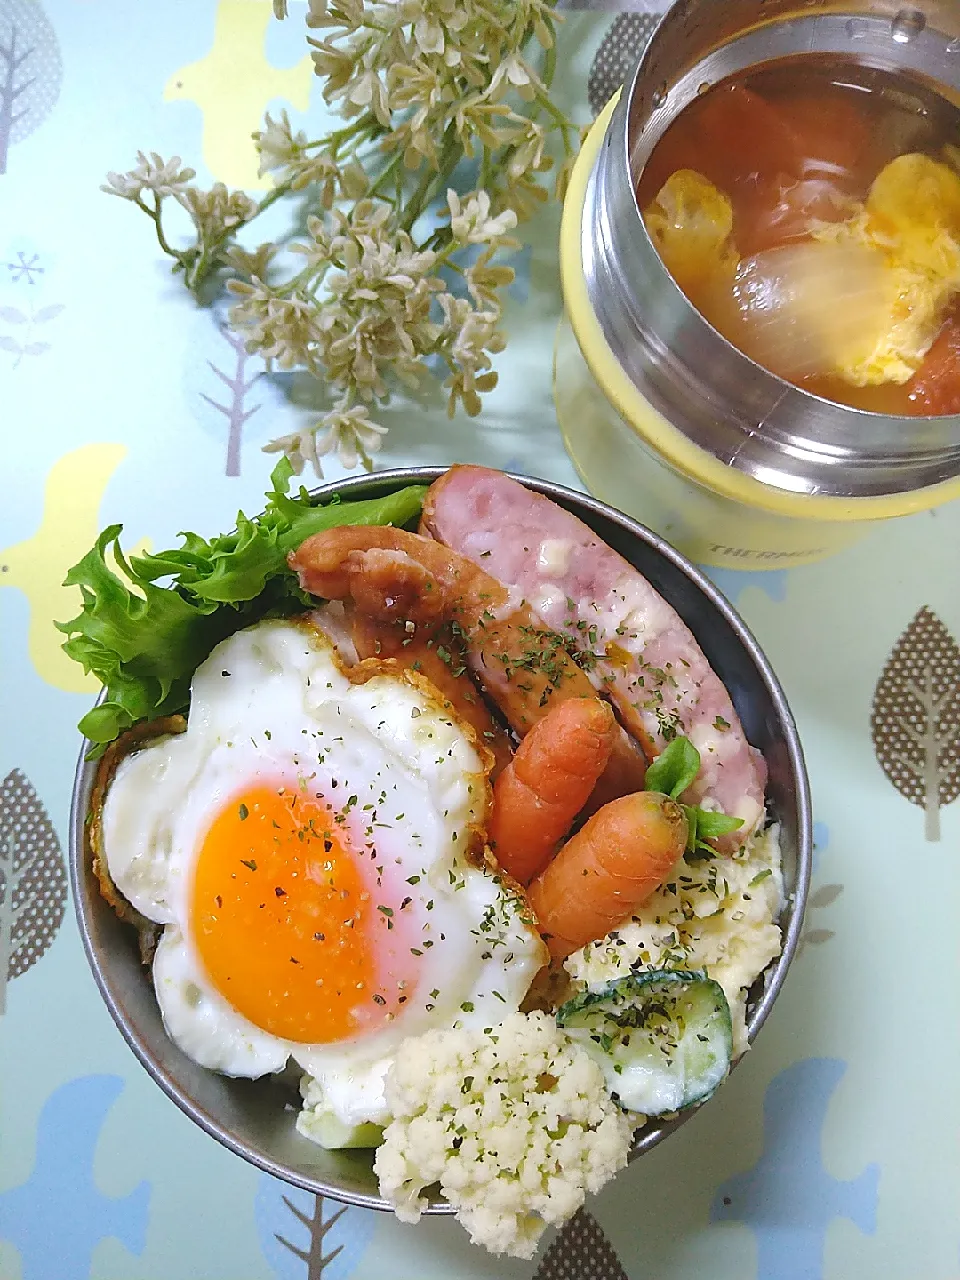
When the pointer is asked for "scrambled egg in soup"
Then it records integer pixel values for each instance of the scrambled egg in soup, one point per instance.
(912, 217)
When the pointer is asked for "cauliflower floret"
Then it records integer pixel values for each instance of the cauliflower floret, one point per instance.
(515, 1123)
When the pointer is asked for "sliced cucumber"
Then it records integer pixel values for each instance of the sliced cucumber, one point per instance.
(663, 1038)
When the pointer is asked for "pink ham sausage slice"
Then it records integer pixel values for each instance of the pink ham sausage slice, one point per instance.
(635, 647)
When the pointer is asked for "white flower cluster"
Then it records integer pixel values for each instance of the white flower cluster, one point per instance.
(369, 305)
(471, 223)
(218, 209)
(346, 431)
(217, 214)
(514, 1123)
(297, 163)
(421, 85)
(437, 73)
(153, 173)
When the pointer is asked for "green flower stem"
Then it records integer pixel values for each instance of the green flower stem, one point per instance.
(419, 200)
(199, 269)
(485, 168)
(433, 180)
(550, 64)
(304, 278)
(436, 240)
(279, 191)
(362, 129)
(391, 169)
(398, 189)
(156, 217)
(561, 121)
(547, 77)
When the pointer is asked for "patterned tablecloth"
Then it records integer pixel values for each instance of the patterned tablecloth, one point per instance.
(832, 1151)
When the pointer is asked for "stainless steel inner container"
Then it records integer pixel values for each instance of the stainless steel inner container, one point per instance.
(719, 398)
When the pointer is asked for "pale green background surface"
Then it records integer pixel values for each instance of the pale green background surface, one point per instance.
(861, 1050)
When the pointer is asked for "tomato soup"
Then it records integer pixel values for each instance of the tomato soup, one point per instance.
(822, 198)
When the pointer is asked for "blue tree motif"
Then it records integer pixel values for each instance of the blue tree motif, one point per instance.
(788, 1198)
(30, 71)
(733, 582)
(238, 386)
(821, 839)
(225, 387)
(59, 1215)
(305, 1237)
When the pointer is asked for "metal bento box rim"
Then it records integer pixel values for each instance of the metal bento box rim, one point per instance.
(374, 485)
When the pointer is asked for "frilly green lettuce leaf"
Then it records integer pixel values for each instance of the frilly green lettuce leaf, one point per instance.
(143, 641)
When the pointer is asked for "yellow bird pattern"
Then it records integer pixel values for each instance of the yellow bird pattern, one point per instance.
(68, 528)
(233, 85)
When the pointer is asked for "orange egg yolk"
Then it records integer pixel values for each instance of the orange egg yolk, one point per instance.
(284, 920)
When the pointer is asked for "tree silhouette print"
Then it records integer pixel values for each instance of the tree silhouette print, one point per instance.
(916, 717)
(315, 1257)
(581, 1250)
(30, 72)
(22, 341)
(618, 54)
(33, 880)
(306, 1237)
(235, 412)
(825, 896)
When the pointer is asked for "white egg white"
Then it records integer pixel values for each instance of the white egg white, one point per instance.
(273, 701)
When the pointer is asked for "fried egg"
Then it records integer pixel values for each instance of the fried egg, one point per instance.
(310, 845)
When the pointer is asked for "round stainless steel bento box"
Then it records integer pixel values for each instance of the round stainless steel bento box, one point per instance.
(255, 1118)
(660, 414)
